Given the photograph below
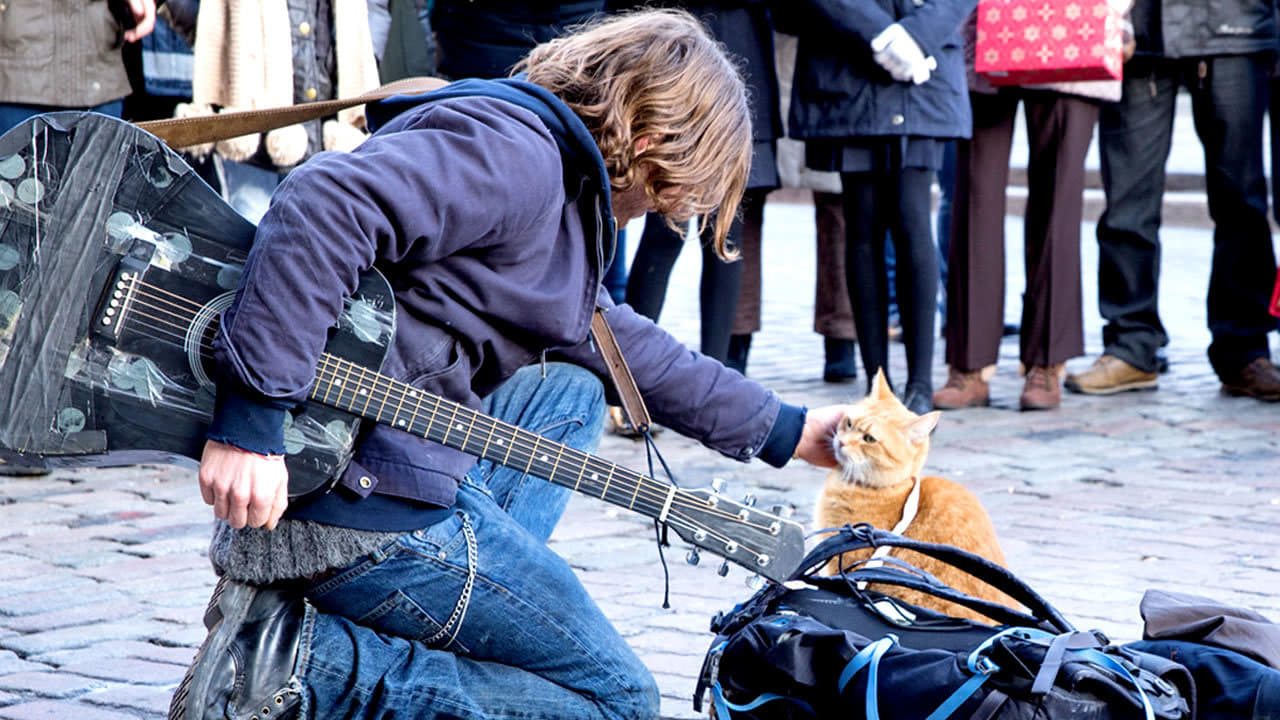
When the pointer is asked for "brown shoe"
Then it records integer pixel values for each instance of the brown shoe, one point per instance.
(1259, 379)
(1108, 375)
(963, 389)
(1043, 389)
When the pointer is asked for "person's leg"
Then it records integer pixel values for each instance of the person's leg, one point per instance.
(651, 267)
(566, 404)
(1059, 130)
(917, 281)
(1228, 107)
(746, 319)
(470, 618)
(615, 280)
(942, 232)
(865, 230)
(718, 291)
(1134, 137)
(976, 268)
(832, 314)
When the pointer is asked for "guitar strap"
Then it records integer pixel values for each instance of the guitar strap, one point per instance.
(188, 131)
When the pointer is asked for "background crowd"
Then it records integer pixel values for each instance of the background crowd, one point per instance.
(871, 107)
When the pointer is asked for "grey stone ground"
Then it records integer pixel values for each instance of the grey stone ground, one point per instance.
(103, 577)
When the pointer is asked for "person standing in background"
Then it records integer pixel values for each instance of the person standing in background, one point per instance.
(1223, 54)
(66, 55)
(879, 88)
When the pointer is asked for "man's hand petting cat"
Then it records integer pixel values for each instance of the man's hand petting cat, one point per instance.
(815, 440)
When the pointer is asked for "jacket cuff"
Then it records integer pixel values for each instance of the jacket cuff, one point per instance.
(248, 424)
(785, 435)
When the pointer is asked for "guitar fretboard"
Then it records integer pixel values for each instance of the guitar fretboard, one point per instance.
(351, 387)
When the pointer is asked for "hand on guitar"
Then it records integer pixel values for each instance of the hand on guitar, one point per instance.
(815, 440)
(244, 488)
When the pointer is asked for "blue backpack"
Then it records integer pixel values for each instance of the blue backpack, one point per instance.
(832, 647)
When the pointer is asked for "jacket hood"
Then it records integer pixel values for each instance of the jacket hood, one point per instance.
(583, 164)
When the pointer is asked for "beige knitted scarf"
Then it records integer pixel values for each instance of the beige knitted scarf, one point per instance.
(244, 61)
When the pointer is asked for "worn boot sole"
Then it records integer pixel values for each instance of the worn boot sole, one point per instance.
(1239, 391)
(985, 402)
(1112, 389)
(226, 612)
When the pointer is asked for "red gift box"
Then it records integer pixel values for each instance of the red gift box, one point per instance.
(1024, 42)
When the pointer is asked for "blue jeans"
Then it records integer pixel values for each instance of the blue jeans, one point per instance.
(474, 617)
(1228, 102)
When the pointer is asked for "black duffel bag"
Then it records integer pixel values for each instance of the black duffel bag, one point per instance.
(833, 647)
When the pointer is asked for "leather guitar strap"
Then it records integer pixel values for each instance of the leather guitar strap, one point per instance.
(197, 130)
(188, 131)
(632, 403)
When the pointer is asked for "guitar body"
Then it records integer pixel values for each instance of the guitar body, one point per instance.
(116, 260)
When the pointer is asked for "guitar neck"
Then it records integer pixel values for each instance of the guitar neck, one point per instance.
(371, 395)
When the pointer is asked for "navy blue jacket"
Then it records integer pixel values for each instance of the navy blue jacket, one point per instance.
(490, 216)
(839, 91)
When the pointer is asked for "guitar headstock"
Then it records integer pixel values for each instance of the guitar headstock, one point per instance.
(762, 542)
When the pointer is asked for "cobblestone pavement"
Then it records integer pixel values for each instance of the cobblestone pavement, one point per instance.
(103, 577)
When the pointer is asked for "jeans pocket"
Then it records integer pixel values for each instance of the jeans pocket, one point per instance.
(399, 615)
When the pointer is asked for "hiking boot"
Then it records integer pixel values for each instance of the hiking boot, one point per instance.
(1108, 375)
(246, 665)
(1259, 379)
(841, 360)
(1043, 389)
(963, 389)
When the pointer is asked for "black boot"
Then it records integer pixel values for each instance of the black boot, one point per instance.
(246, 665)
(739, 346)
(842, 360)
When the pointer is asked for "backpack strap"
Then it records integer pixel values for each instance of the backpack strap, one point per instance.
(862, 536)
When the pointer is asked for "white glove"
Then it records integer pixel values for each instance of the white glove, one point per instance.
(900, 55)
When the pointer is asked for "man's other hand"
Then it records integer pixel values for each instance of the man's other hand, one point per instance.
(144, 18)
(244, 488)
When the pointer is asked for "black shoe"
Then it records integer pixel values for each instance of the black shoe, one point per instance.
(739, 346)
(918, 399)
(1010, 330)
(246, 665)
(1162, 362)
(841, 360)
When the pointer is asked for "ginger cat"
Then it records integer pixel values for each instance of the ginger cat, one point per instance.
(881, 446)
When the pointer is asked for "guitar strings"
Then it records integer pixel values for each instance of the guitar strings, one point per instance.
(531, 450)
(651, 494)
(653, 490)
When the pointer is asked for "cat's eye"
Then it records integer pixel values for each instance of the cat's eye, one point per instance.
(868, 437)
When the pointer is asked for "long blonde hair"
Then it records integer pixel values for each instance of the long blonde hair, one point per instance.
(657, 74)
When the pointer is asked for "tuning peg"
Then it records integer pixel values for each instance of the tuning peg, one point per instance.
(717, 485)
(749, 500)
(693, 558)
(723, 569)
(755, 582)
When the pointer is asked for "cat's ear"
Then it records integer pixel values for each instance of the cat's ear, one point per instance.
(880, 388)
(918, 430)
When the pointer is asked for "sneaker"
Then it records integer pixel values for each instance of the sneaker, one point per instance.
(246, 665)
(841, 363)
(1259, 379)
(1043, 388)
(1108, 375)
(963, 389)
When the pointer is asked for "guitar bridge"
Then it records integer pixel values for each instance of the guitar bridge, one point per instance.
(118, 297)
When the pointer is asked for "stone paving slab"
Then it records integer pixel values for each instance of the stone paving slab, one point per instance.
(104, 578)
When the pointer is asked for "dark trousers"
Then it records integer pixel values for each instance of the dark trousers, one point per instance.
(1229, 97)
(1059, 128)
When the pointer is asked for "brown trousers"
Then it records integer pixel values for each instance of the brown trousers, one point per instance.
(832, 313)
(1059, 128)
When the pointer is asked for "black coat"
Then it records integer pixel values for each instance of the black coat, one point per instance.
(841, 92)
(1194, 28)
(485, 39)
